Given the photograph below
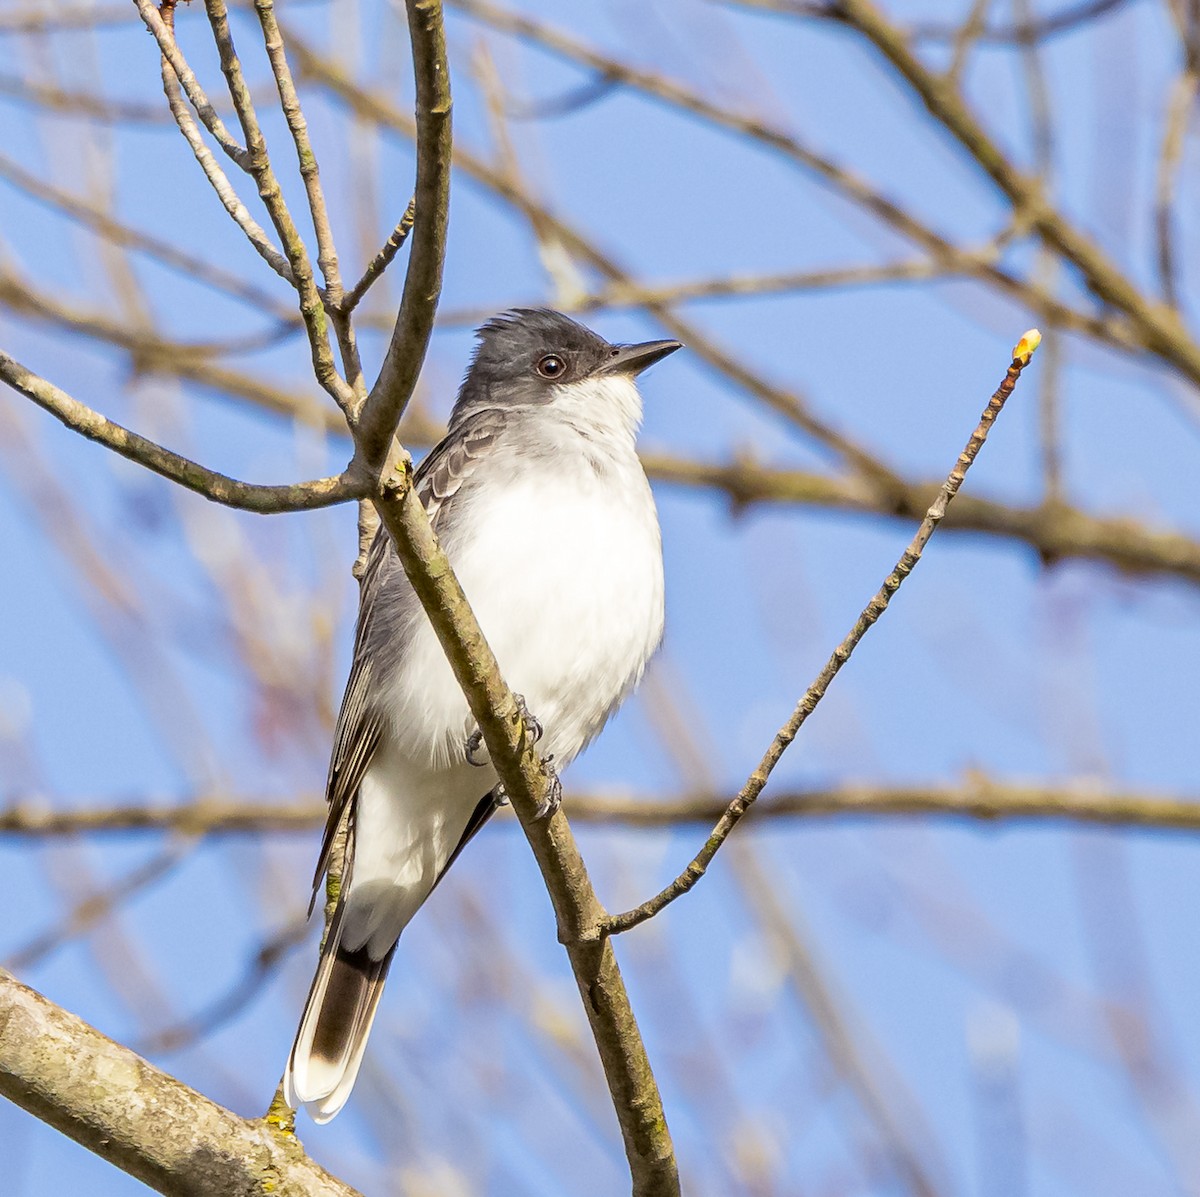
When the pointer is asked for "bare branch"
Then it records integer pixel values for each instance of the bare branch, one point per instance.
(1056, 531)
(383, 259)
(1179, 108)
(165, 36)
(640, 295)
(813, 695)
(293, 113)
(977, 800)
(1029, 31)
(880, 1092)
(261, 966)
(217, 178)
(80, 104)
(965, 39)
(258, 164)
(1042, 29)
(116, 1104)
(1157, 325)
(384, 406)
(301, 496)
(64, 16)
(94, 907)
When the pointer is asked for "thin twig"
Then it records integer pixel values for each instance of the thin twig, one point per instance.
(217, 178)
(813, 695)
(81, 105)
(95, 907)
(638, 295)
(289, 101)
(327, 258)
(382, 260)
(64, 17)
(1179, 108)
(880, 1092)
(965, 39)
(258, 165)
(220, 1011)
(1027, 30)
(164, 34)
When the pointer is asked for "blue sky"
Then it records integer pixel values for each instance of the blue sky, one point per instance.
(976, 960)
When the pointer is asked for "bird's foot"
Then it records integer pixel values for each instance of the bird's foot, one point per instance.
(549, 804)
(533, 733)
(474, 744)
(554, 791)
(533, 728)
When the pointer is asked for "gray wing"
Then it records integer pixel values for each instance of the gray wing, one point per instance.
(360, 722)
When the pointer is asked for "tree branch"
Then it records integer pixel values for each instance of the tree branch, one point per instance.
(164, 34)
(781, 141)
(119, 1106)
(980, 800)
(258, 164)
(813, 695)
(380, 414)
(1056, 531)
(382, 260)
(299, 496)
(1158, 325)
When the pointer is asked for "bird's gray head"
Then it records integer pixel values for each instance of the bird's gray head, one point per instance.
(535, 358)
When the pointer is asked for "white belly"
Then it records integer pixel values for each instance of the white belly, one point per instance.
(566, 580)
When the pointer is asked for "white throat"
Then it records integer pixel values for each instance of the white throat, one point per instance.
(607, 406)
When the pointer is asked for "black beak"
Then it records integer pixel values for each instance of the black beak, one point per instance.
(633, 359)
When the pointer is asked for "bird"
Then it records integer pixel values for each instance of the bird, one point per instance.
(544, 510)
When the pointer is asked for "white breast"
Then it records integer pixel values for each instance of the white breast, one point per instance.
(563, 568)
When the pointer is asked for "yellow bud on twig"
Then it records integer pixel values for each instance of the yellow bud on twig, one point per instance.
(1026, 346)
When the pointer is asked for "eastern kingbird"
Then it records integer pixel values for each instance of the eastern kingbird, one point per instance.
(543, 508)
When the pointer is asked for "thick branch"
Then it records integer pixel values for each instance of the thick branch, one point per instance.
(114, 1103)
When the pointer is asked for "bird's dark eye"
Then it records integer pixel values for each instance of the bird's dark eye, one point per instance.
(551, 366)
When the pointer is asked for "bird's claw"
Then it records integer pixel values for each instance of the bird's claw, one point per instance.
(554, 790)
(533, 728)
(533, 733)
(474, 744)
